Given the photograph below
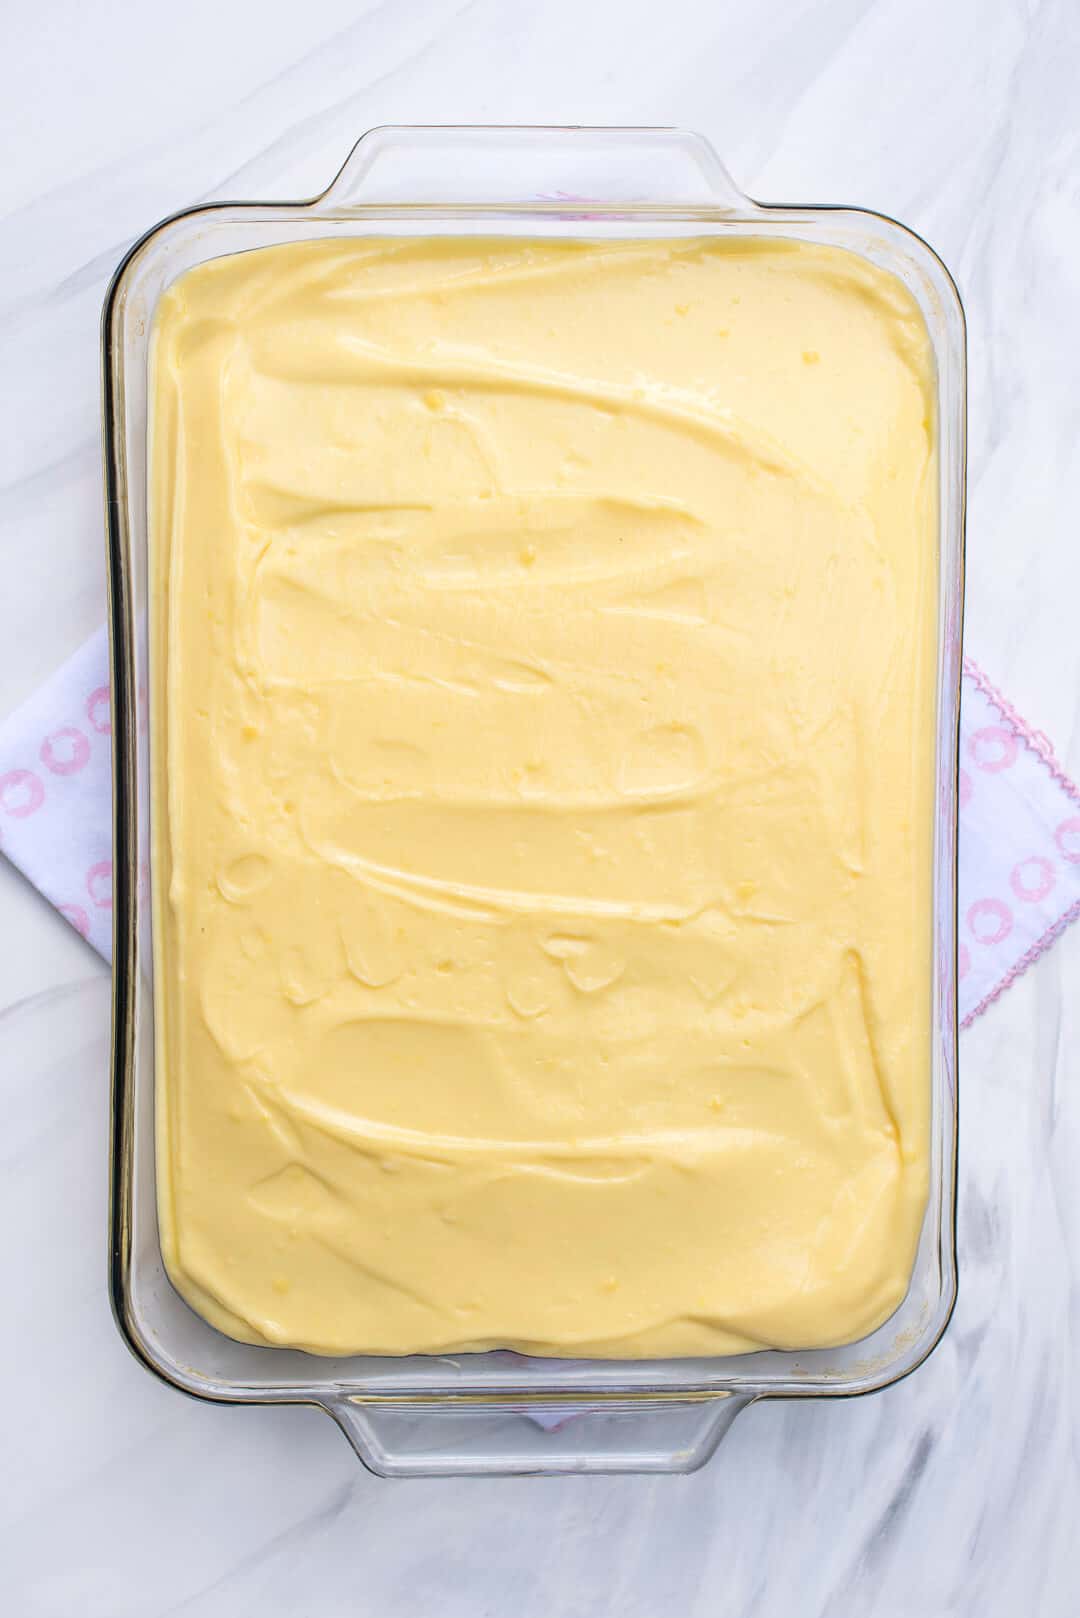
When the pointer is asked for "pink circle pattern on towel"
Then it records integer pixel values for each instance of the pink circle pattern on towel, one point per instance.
(56, 792)
(21, 794)
(98, 710)
(1019, 876)
(66, 751)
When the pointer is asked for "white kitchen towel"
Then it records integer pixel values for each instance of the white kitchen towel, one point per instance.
(1019, 876)
(1019, 821)
(56, 792)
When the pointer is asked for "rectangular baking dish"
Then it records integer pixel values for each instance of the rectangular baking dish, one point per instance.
(497, 1412)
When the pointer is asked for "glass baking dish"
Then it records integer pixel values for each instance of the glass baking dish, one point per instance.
(497, 1412)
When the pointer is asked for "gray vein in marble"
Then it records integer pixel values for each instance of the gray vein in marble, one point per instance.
(274, 1548)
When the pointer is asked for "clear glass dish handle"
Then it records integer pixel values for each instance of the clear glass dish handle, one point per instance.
(451, 167)
(485, 1439)
(493, 165)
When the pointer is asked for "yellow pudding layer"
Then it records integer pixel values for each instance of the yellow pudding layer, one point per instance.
(543, 639)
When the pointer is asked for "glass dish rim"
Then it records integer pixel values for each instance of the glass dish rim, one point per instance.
(326, 1392)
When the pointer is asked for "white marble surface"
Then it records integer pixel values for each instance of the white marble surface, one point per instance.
(956, 1492)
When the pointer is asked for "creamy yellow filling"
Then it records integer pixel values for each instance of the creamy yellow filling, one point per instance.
(543, 642)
